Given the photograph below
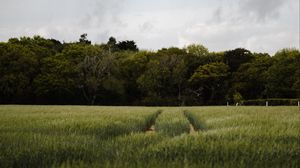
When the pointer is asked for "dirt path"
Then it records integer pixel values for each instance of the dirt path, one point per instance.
(151, 129)
(192, 129)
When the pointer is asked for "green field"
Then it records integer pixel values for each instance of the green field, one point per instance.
(91, 136)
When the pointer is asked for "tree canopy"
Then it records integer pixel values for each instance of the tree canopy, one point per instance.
(36, 70)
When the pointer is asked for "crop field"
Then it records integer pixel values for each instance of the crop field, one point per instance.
(96, 136)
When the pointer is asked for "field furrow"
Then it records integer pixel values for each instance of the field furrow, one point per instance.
(151, 126)
(196, 123)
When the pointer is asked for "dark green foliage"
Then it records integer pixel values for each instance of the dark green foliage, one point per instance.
(165, 77)
(208, 82)
(235, 58)
(83, 39)
(57, 80)
(251, 78)
(127, 45)
(18, 68)
(131, 67)
(283, 76)
(45, 71)
(112, 45)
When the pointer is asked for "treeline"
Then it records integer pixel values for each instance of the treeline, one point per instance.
(45, 71)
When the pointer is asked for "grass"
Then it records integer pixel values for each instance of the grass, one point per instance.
(172, 122)
(85, 136)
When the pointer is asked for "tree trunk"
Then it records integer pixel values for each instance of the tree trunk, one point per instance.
(212, 94)
(179, 94)
(93, 100)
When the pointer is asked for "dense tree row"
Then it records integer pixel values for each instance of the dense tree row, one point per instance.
(45, 71)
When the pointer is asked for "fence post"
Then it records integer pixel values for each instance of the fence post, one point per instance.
(299, 104)
(267, 103)
(228, 103)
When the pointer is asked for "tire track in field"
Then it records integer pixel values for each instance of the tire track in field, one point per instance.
(151, 129)
(193, 123)
(192, 129)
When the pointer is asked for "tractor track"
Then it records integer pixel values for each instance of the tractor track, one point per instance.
(151, 128)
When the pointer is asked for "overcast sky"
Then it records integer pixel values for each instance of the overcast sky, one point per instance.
(258, 25)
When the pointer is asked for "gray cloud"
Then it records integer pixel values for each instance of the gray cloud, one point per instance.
(217, 15)
(259, 25)
(146, 26)
(261, 10)
(103, 19)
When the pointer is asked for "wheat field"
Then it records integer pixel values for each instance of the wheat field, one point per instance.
(100, 136)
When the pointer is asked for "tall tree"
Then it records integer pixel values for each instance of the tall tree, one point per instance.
(112, 45)
(282, 76)
(208, 82)
(94, 70)
(127, 45)
(251, 78)
(164, 78)
(57, 82)
(132, 66)
(234, 58)
(18, 68)
(198, 50)
(83, 39)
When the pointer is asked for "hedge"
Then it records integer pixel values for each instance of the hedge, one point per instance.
(271, 102)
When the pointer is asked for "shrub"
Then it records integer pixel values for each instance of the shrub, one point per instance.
(271, 102)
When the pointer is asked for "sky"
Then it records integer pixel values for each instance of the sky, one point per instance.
(257, 25)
